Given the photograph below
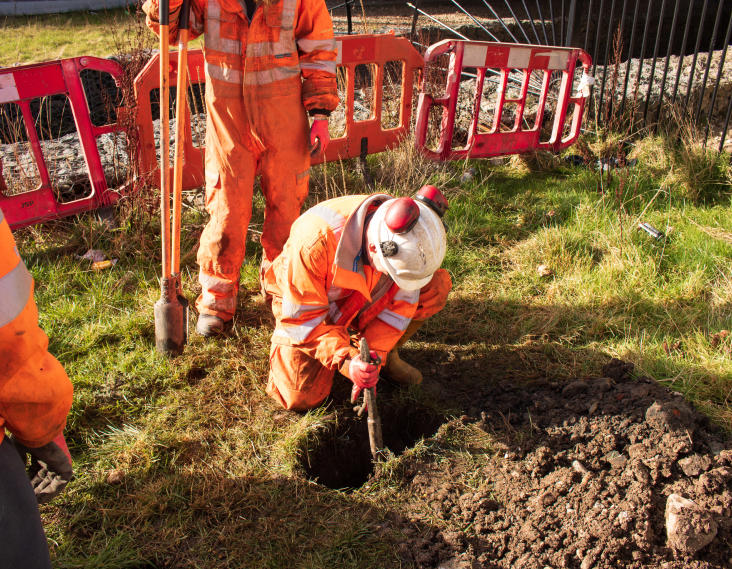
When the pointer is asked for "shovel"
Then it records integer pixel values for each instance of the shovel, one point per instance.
(171, 310)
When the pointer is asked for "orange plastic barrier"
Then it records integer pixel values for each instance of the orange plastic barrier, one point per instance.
(146, 82)
(362, 62)
(496, 139)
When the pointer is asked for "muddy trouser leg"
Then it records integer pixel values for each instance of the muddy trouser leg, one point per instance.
(284, 166)
(297, 381)
(230, 169)
(22, 541)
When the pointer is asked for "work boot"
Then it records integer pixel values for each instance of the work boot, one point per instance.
(209, 325)
(396, 368)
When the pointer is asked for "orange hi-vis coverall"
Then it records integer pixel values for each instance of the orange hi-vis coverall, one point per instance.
(35, 392)
(322, 290)
(261, 78)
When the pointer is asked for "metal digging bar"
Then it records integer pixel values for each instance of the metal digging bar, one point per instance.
(170, 313)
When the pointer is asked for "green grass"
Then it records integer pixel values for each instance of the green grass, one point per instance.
(102, 33)
(186, 461)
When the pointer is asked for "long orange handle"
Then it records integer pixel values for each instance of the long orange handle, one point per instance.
(180, 131)
(165, 136)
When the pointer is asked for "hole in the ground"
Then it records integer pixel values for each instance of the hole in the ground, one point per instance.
(339, 456)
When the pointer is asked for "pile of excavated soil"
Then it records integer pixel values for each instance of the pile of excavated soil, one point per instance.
(582, 482)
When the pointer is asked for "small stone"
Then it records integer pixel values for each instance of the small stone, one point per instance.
(115, 476)
(579, 467)
(696, 464)
(544, 271)
(574, 387)
(689, 527)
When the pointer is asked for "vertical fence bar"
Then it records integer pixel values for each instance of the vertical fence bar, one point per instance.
(570, 22)
(597, 40)
(349, 17)
(608, 41)
(653, 61)
(726, 124)
(682, 53)
(561, 25)
(619, 55)
(668, 57)
(587, 27)
(642, 51)
(717, 19)
(696, 54)
(551, 17)
(531, 21)
(720, 70)
(543, 25)
(630, 56)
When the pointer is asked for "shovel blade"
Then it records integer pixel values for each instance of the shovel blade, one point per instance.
(171, 325)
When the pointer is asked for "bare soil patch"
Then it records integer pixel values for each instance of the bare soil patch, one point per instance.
(580, 478)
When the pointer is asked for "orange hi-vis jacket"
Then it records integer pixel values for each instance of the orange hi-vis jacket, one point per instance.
(286, 41)
(35, 392)
(321, 287)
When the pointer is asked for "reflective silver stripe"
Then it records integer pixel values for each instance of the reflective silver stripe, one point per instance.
(328, 66)
(15, 290)
(2, 216)
(393, 319)
(293, 310)
(215, 284)
(224, 304)
(298, 333)
(270, 75)
(334, 219)
(212, 37)
(288, 14)
(334, 313)
(410, 296)
(306, 45)
(223, 74)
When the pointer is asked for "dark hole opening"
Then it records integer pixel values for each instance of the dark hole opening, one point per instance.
(339, 456)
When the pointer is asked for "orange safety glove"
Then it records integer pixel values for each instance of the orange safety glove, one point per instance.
(50, 467)
(319, 135)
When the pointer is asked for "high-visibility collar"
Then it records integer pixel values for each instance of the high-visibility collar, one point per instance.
(348, 253)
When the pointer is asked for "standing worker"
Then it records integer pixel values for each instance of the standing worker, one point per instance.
(35, 397)
(356, 265)
(269, 64)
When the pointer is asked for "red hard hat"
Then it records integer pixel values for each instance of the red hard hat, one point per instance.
(433, 198)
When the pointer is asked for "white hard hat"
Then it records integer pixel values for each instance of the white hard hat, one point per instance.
(409, 238)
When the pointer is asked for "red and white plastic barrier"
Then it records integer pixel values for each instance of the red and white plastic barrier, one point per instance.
(367, 65)
(503, 60)
(21, 86)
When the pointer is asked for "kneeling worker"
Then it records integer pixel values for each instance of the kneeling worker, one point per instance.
(356, 265)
